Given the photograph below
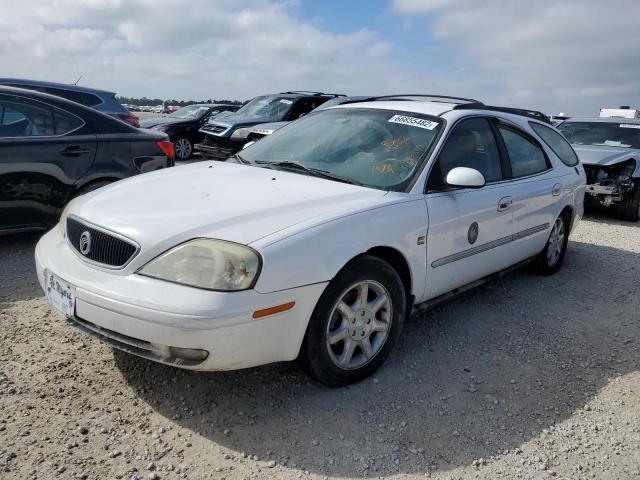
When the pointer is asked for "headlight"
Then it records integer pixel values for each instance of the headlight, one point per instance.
(162, 128)
(241, 133)
(208, 264)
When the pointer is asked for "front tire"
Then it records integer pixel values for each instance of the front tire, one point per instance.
(629, 209)
(183, 148)
(355, 324)
(550, 259)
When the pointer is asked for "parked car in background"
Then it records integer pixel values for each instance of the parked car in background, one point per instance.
(353, 215)
(52, 149)
(224, 137)
(183, 126)
(621, 112)
(264, 129)
(100, 100)
(609, 149)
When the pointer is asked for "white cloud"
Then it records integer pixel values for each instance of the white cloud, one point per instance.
(574, 55)
(186, 49)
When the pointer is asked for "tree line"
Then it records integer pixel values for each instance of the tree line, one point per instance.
(181, 103)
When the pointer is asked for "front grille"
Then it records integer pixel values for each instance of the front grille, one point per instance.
(103, 247)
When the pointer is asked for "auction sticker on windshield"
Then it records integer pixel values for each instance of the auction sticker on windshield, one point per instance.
(60, 294)
(413, 121)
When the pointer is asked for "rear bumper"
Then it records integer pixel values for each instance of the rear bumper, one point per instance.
(147, 317)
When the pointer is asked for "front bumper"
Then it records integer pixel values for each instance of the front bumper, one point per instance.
(145, 316)
(219, 148)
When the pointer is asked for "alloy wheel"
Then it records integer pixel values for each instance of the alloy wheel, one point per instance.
(359, 325)
(183, 148)
(556, 242)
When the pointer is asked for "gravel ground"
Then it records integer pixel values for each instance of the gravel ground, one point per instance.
(527, 377)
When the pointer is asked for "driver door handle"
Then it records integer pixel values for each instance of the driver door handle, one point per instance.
(73, 151)
(505, 204)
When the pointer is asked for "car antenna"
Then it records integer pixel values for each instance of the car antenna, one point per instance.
(76, 82)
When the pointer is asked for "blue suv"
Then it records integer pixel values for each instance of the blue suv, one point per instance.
(100, 100)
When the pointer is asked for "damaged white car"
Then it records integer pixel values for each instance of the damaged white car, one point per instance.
(317, 242)
(609, 149)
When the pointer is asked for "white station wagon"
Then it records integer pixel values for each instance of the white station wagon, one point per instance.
(315, 242)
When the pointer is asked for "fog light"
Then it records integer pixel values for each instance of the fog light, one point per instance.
(193, 354)
(189, 354)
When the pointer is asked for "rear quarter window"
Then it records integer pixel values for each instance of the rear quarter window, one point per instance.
(557, 143)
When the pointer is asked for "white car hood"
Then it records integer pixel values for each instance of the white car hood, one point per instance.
(227, 201)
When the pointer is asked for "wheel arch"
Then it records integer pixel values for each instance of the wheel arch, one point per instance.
(399, 263)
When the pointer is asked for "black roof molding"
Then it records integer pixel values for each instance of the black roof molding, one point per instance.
(307, 92)
(418, 97)
(523, 112)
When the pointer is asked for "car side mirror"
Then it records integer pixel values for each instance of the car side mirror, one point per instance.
(465, 177)
(248, 144)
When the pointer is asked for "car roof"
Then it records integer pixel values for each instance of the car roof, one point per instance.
(67, 86)
(427, 108)
(634, 121)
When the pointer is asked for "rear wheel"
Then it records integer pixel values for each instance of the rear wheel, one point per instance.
(550, 259)
(629, 209)
(355, 323)
(183, 148)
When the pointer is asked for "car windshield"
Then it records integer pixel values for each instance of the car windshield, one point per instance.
(266, 106)
(376, 148)
(191, 112)
(602, 134)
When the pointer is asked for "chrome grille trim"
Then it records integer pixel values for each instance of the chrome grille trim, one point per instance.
(117, 249)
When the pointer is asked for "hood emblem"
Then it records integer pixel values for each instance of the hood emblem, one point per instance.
(85, 242)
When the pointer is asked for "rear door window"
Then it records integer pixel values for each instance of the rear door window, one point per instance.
(21, 117)
(557, 143)
(526, 157)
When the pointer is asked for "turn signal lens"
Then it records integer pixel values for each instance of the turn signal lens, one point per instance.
(273, 310)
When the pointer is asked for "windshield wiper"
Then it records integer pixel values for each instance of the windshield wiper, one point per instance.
(316, 172)
(239, 158)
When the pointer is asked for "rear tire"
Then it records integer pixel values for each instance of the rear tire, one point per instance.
(629, 209)
(355, 323)
(550, 259)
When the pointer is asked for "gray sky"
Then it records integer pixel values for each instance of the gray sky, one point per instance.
(572, 55)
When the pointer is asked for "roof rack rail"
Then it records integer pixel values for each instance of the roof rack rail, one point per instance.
(418, 97)
(293, 92)
(523, 112)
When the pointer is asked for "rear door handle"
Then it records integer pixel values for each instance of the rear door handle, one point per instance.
(556, 190)
(73, 151)
(505, 204)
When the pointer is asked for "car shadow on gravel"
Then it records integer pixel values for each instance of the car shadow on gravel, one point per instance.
(475, 377)
(18, 280)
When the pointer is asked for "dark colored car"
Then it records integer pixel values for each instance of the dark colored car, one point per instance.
(264, 129)
(226, 136)
(52, 149)
(100, 100)
(183, 126)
